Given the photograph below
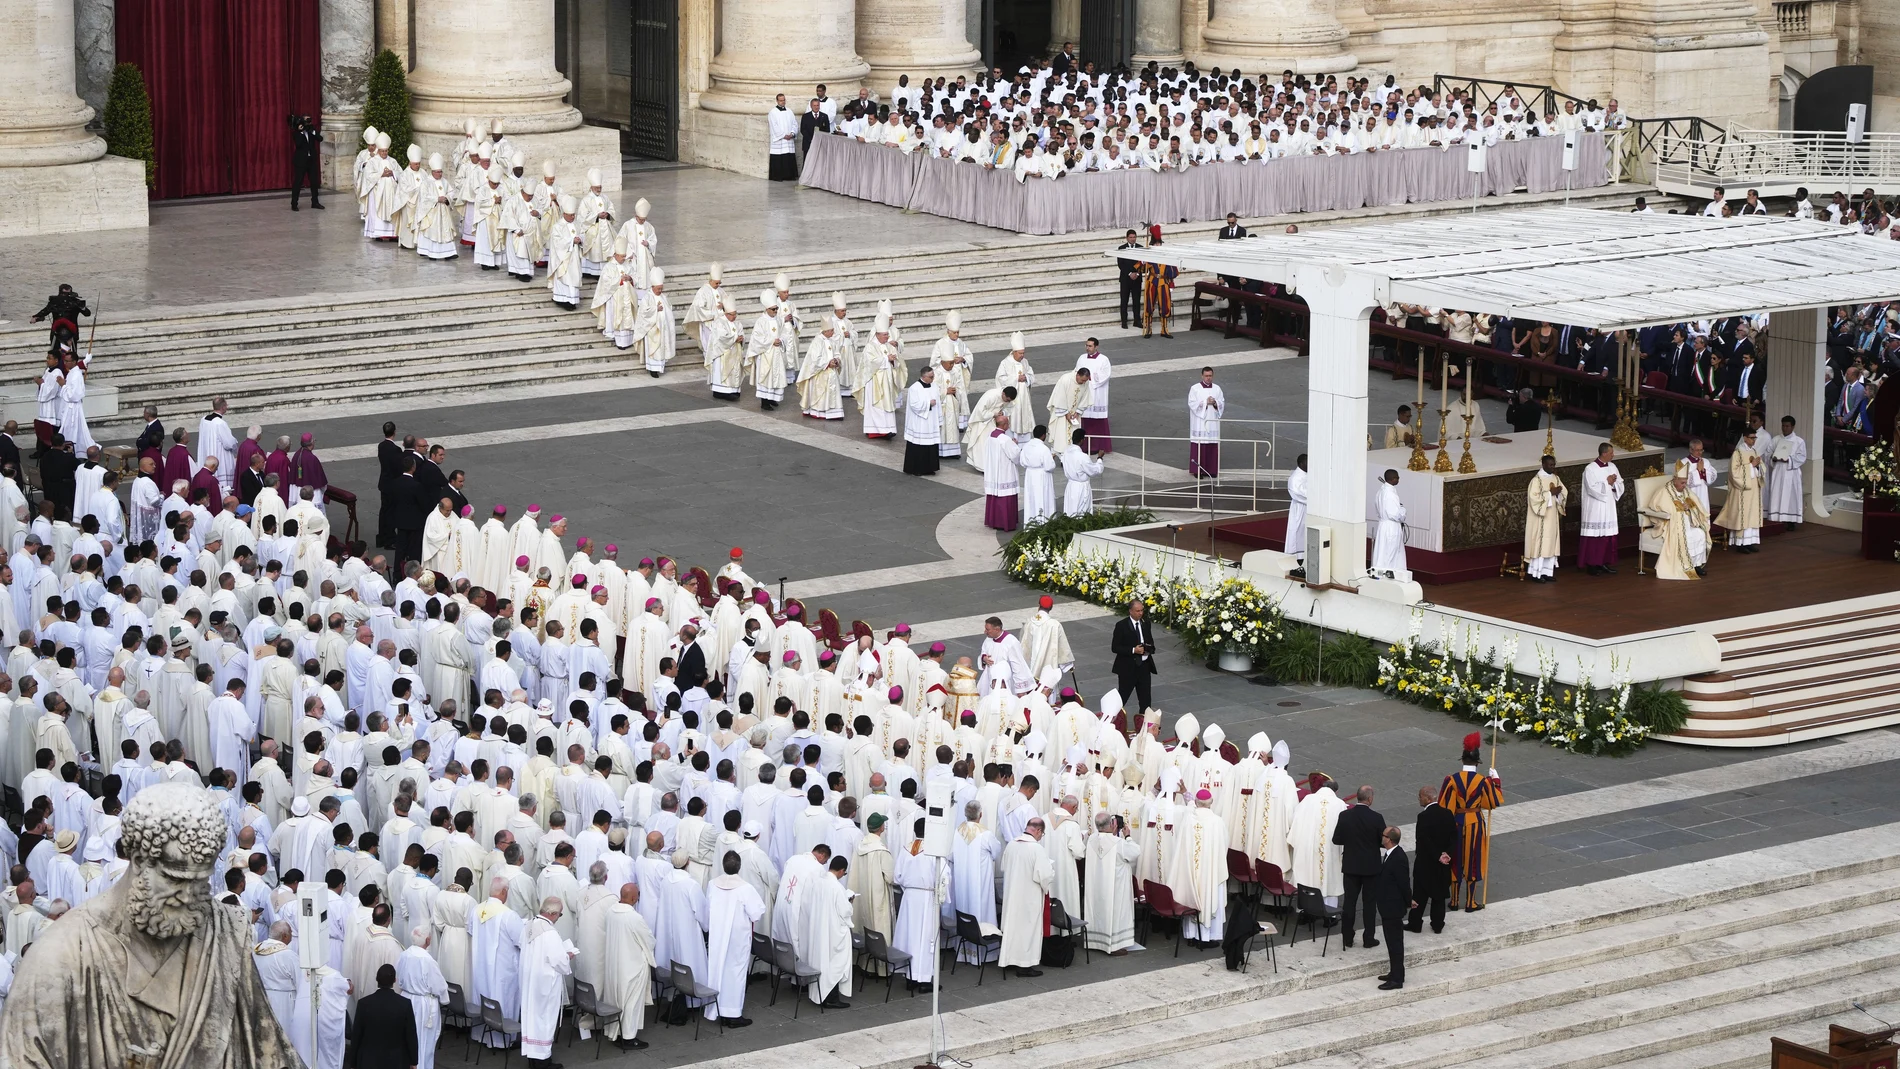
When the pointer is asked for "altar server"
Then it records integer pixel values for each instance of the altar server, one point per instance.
(1388, 539)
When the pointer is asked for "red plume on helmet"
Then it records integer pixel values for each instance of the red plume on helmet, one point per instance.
(1473, 741)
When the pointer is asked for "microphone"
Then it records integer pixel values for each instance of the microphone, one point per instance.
(1863, 1009)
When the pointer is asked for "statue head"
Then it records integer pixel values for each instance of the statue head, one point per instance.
(172, 834)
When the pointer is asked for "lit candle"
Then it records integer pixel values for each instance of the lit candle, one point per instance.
(1471, 370)
(1444, 381)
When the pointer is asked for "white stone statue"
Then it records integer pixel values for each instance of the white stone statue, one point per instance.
(153, 974)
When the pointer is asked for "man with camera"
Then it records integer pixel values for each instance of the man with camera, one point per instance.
(306, 148)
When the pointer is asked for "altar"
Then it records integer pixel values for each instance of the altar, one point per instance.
(1449, 512)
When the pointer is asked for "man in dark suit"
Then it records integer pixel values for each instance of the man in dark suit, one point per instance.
(407, 513)
(151, 440)
(454, 492)
(1233, 231)
(1436, 835)
(383, 1035)
(1394, 893)
(1134, 647)
(306, 147)
(1129, 267)
(1358, 832)
(10, 450)
(811, 124)
(429, 473)
(388, 470)
(58, 478)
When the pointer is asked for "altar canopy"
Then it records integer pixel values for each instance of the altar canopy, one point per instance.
(1576, 266)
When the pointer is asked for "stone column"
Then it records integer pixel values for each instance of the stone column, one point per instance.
(1158, 33)
(769, 47)
(1274, 35)
(347, 33)
(55, 176)
(95, 24)
(1796, 347)
(914, 37)
(494, 59)
(1341, 312)
(1065, 24)
(392, 29)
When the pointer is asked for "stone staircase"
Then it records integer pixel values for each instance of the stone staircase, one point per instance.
(1788, 676)
(489, 332)
(1687, 968)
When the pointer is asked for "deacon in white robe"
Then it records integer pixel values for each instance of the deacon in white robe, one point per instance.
(1388, 539)
(1296, 511)
(1028, 875)
(1078, 468)
(1039, 483)
(547, 960)
(1783, 497)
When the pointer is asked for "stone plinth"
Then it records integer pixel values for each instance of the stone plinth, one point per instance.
(914, 37)
(488, 59)
(20, 403)
(103, 194)
(730, 141)
(573, 152)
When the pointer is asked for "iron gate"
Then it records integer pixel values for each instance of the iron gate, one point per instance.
(1108, 33)
(653, 112)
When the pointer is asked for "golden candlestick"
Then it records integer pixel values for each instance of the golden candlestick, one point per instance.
(1466, 465)
(1550, 432)
(1419, 461)
(1443, 463)
(1625, 436)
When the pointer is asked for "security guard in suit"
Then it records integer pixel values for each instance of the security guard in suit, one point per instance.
(1130, 268)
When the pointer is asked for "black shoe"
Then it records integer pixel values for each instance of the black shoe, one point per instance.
(1028, 972)
(1370, 943)
(1347, 943)
(735, 1022)
(1438, 930)
(1702, 572)
(1391, 985)
(1609, 570)
(317, 206)
(1473, 909)
(294, 208)
(835, 1003)
(632, 1044)
(1384, 977)
(1415, 928)
(655, 374)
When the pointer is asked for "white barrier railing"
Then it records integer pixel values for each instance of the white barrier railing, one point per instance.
(1777, 163)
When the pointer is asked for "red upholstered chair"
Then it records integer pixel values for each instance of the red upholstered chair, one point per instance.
(859, 629)
(1240, 867)
(1161, 903)
(1230, 753)
(829, 631)
(1274, 882)
(707, 596)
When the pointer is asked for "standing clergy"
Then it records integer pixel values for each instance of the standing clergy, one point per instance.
(564, 257)
(495, 932)
(820, 374)
(489, 229)
(597, 226)
(643, 242)
(951, 360)
(1546, 502)
(1108, 901)
(616, 300)
(1197, 868)
(923, 424)
(1014, 371)
(521, 222)
(656, 334)
(926, 885)
(1388, 540)
(547, 960)
(627, 968)
(376, 192)
(1039, 477)
(216, 440)
(1741, 513)
(881, 377)
(1677, 517)
(1206, 403)
(782, 130)
(724, 342)
(1602, 489)
(704, 311)
(1095, 413)
(1317, 860)
(1470, 797)
(408, 190)
(1027, 875)
(1296, 517)
(998, 453)
(1785, 461)
(1078, 494)
(1067, 400)
(435, 214)
(733, 910)
(765, 354)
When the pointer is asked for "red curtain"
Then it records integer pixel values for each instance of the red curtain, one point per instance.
(223, 75)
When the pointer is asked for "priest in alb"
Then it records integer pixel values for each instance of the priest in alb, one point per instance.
(655, 333)
(1785, 459)
(923, 424)
(1206, 404)
(1108, 900)
(1039, 477)
(1068, 399)
(1316, 860)
(820, 374)
(765, 353)
(1079, 468)
(733, 911)
(950, 361)
(1028, 874)
(547, 960)
(1546, 502)
(627, 968)
(881, 368)
(1197, 870)
(824, 935)
(926, 883)
(1002, 484)
(1741, 513)
(1602, 489)
(1388, 538)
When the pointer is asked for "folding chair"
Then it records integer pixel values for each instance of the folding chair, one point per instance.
(788, 964)
(1240, 869)
(1060, 923)
(586, 1001)
(695, 994)
(1310, 909)
(970, 933)
(1161, 903)
(877, 949)
(1274, 882)
(493, 1021)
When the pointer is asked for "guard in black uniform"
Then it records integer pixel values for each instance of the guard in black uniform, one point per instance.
(306, 148)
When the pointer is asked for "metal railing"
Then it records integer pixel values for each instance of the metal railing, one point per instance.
(1692, 163)
(1487, 91)
(1154, 471)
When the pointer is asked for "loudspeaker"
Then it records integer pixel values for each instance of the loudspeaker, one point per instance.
(1319, 554)
(1474, 155)
(313, 936)
(939, 822)
(1570, 151)
(1856, 123)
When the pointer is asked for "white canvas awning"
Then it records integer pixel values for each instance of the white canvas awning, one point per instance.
(1579, 266)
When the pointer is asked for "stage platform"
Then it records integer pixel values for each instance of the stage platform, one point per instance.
(1798, 641)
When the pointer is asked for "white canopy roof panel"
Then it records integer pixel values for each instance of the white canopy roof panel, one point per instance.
(1580, 266)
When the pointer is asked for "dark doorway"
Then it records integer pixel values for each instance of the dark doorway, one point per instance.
(1108, 32)
(653, 114)
(1021, 32)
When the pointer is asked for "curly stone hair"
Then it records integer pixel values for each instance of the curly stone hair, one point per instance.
(176, 822)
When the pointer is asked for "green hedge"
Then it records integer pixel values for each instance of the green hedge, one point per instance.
(387, 108)
(128, 120)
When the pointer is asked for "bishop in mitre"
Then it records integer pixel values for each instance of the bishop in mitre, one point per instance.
(952, 360)
(1014, 372)
(1545, 505)
(1676, 518)
(656, 333)
(1067, 400)
(1741, 513)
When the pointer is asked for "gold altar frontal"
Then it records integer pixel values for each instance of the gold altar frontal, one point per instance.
(1449, 512)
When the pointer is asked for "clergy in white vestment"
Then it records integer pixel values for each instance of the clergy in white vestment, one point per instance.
(408, 189)
(419, 979)
(1197, 872)
(1700, 473)
(723, 339)
(1546, 501)
(823, 935)
(1045, 642)
(643, 241)
(363, 157)
(1741, 513)
(821, 373)
(881, 381)
(733, 910)
(1014, 370)
(521, 223)
(982, 420)
(1067, 400)
(495, 942)
(926, 883)
(1206, 403)
(216, 440)
(1108, 903)
(490, 234)
(1316, 859)
(1783, 500)
(849, 374)
(278, 970)
(1388, 539)
(616, 301)
(1039, 477)
(1078, 469)
(1095, 412)
(998, 454)
(1675, 516)
(72, 409)
(765, 353)
(597, 225)
(950, 358)
(435, 214)
(1296, 512)
(680, 936)
(923, 424)
(656, 333)
(547, 960)
(1602, 489)
(1027, 876)
(331, 1011)
(377, 191)
(564, 256)
(438, 537)
(704, 309)
(782, 142)
(627, 968)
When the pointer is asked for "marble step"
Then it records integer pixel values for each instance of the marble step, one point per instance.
(1799, 681)
(1311, 1022)
(1751, 1050)
(1724, 681)
(1825, 644)
(1825, 722)
(1599, 1029)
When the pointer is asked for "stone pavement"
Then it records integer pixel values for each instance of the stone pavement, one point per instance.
(656, 466)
